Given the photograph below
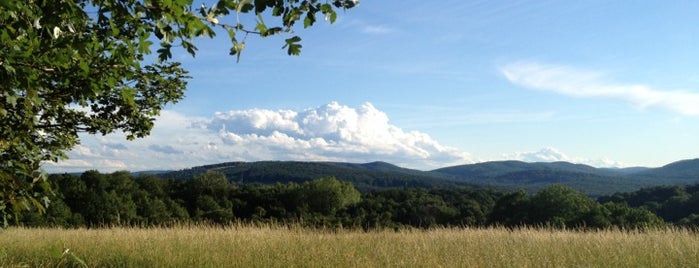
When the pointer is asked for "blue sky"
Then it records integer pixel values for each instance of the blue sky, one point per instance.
(429, 84)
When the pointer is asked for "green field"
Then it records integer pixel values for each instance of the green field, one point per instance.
(277, 246)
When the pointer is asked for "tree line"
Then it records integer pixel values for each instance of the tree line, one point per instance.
(94, 200)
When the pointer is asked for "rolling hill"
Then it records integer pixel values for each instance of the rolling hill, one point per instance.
(369, 176)
(680, 172)
(505, 175)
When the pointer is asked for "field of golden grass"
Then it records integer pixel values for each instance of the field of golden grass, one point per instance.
(278, 246)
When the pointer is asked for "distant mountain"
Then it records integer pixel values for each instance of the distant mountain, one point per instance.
(499, 168)
(680, 172)
(535, 176)
(375, 175)
(378, 166)
(498, 174)
(627, 170)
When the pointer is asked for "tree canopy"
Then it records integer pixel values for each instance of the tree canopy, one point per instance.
(123, 199)
(74, 66)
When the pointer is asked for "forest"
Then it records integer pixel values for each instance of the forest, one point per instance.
(94, 199)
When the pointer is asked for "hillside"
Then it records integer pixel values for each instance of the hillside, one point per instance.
(507, 175)
(535, 176)
(375, 175)
(680, 172)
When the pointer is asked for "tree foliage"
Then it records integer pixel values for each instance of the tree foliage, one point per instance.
(83, 66)
(120, 199)
(327, 195)
(678, 204)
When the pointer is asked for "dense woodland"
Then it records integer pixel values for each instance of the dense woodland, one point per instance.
(123, 199)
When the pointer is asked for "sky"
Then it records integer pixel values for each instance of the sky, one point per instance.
(424, 84)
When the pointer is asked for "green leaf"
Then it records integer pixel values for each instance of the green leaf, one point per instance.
(309, 20)
(164, 52)
(292, 46)
(84, 67)
(277, 11)
(128, 96)
(191, 49)
(144, 46)
(328, 12)
(261, 27)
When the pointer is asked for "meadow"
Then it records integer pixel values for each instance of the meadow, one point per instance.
(279, 246)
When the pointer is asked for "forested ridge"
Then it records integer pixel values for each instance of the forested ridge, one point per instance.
(93, 199)
(368, 176)
(503, 175)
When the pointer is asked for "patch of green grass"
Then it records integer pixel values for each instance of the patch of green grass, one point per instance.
(279, 246)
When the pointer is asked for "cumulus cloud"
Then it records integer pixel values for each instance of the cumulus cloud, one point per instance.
(331, 132)
(589, 84)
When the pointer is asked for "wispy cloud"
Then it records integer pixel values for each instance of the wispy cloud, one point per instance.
(590, 84)
(377, 29)
(370, 28)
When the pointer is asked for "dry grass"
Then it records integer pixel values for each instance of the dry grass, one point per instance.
(276, 246)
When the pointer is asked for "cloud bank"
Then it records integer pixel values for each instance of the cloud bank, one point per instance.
(589, 84)
(332, 132)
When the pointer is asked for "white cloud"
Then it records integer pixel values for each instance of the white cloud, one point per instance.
(543, 155)
(332, 132)
(584, 83)
(549, 154)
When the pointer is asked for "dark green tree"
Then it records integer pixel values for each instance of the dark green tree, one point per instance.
(108, 199)
(428, 210)
(210, 210)
(625, 217)
(155, 204)
(510, 210)
(208, 195)
(83, 66)
(675, 208)
(691, 221)
(560, 206)
(327, 195)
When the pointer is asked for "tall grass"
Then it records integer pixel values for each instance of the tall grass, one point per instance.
(279, 246)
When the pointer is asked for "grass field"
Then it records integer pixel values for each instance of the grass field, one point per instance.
(272, 246)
